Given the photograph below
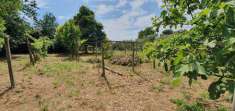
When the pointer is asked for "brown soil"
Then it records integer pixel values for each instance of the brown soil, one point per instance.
(82, 89)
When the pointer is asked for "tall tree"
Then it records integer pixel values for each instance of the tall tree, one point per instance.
(91, 30)
(14, 14)
(148, 34)
(68, 36)
(47, 25)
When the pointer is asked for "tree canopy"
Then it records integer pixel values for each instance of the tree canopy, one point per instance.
(147, 34)
(91, 30)
(47, 25)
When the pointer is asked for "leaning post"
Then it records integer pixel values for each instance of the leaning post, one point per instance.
(102, 57)
(8, 55)
(133, 56)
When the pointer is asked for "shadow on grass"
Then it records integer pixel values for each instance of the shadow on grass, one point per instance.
(2, 93)
(107, 82)
(141, 76)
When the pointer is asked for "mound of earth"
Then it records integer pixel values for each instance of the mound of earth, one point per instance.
(125, 60)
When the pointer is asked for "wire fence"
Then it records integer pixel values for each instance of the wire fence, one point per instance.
(114, 56)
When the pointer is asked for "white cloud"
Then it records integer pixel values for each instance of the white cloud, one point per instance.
(136, 4)
(121, 3)
(159, 3)
(143, 21)
(42, 3)
(130, 23)
(104, 9)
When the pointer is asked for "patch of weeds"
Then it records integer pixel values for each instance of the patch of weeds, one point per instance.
(68, 81)
(186, 95)
(56, 83)
(204, 95)
(158, 88)
(74, 92)
(222, 108)
(176, 82)
(166, 80)
(183, 105)
(43, 105)
(59, 68)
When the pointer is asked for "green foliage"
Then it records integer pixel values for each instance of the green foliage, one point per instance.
(205, 50)
(198, 105)
(68, 35)
(91, 30)
(148, 34)
(167, 32)
(47, 26)
(184, 106)
(40, 47)
(2, 28)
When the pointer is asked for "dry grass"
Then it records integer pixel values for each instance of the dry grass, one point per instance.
(59, 84)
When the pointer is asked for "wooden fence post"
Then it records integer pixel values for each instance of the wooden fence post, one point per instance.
(103, 64)
(32, 61)
(8, 55)
(133, 56)
(154, 63)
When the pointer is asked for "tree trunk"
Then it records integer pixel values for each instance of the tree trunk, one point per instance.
(8, 55)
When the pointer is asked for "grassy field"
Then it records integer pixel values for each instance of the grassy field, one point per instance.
(59, 84)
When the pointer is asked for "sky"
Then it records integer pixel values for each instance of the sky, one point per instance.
(122, 19)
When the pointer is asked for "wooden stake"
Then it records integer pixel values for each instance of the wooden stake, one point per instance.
(32, 61)
(133, 56)
(8, 55)
(103, 64)
(154, 63)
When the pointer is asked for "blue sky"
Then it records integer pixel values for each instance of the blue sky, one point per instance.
(122, 19)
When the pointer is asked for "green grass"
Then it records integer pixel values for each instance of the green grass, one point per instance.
(59, 68)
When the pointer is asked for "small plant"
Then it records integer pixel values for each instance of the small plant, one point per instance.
(158, 88)
(183, 105)
(43, 105)
(186, 95)
(205, 95)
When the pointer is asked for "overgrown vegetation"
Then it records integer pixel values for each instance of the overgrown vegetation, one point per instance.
(207, 49)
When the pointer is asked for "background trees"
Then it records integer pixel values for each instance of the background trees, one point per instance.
(68, 36)
(91, 30)
(148, 34)
(47, 26)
